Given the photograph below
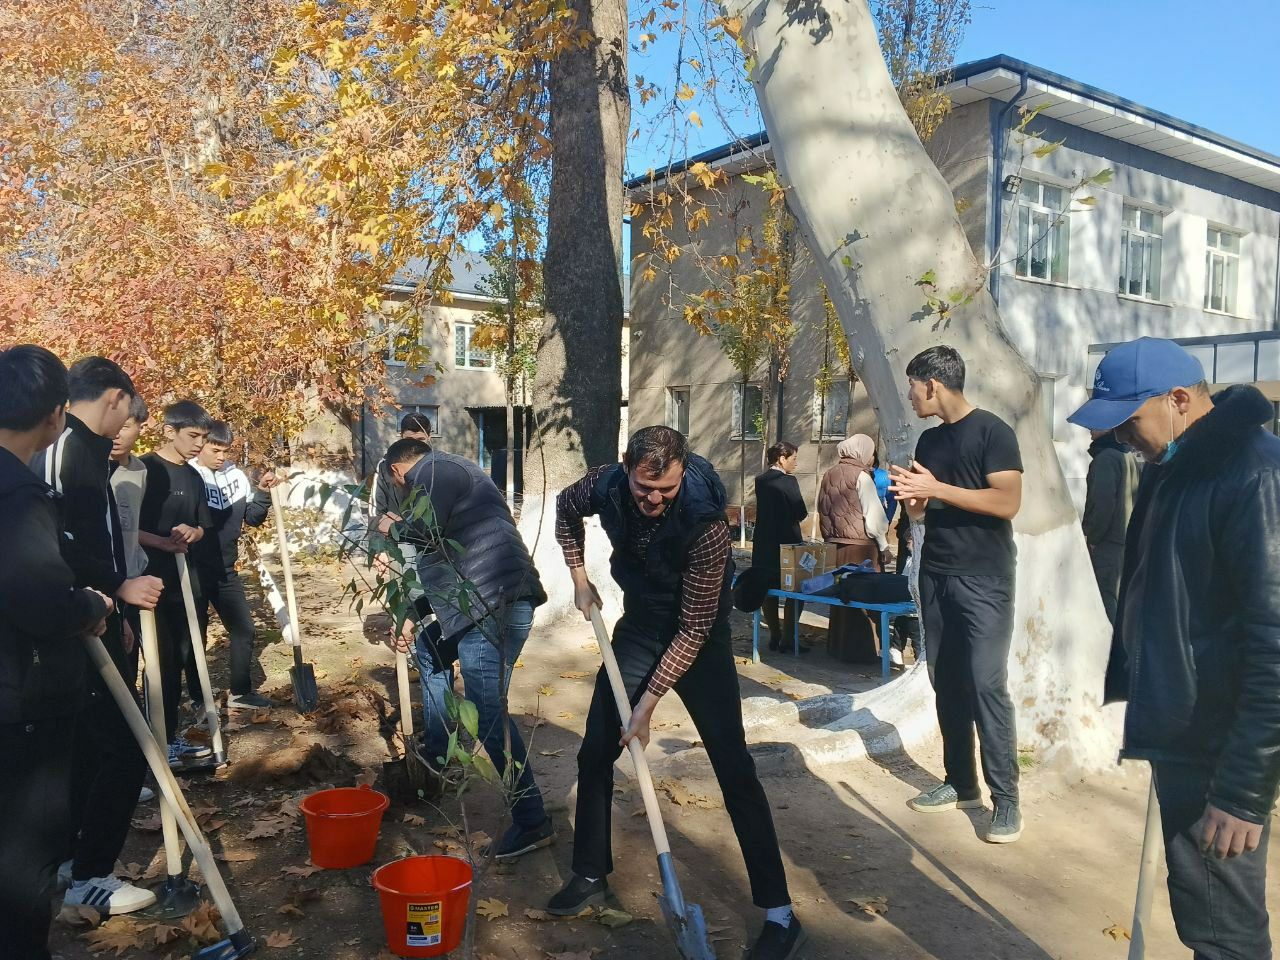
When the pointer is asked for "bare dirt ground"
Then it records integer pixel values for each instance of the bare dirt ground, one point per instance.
(870, 879)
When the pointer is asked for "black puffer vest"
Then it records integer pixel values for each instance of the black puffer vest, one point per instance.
(467, 537)
(655, 585)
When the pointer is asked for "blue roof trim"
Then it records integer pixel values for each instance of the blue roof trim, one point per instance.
(966, 71)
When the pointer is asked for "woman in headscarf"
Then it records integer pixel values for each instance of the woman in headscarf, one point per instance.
(852, 517)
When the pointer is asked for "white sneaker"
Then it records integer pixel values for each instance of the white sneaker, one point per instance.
(146, 795)
(109, 895)
(64, 874)
(895, 656)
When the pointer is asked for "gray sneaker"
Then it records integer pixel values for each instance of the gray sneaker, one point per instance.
(1006, 824)
(944, 797)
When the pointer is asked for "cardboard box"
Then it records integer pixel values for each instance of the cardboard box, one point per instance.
(800, 561)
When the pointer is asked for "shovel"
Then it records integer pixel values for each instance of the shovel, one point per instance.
(178, 896)
(1151, 840)
(685, 920)
(303, 675)
(238, 943)
(219, 758)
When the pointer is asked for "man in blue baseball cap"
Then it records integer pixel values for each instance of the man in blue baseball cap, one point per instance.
(1196, 648)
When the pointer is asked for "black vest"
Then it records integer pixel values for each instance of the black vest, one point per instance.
(471, 523)
(655, 585)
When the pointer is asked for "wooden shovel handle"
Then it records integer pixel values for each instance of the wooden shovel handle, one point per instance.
(406, 700)
(656, 826)
(282, 544)
(159, 764)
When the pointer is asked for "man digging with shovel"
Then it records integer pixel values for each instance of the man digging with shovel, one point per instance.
(663, 510)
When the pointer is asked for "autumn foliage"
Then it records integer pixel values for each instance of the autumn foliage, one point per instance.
(216, 193)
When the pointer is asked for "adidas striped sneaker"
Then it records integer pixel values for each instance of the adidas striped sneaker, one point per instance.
(108, 895)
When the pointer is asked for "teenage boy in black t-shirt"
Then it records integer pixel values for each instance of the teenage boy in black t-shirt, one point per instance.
(966, 484)
(175, 515)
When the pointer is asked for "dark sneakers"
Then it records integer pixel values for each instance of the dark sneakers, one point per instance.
(578, 894)
(518, 841)
(944, 797)
(1006, 823)
(777, 942)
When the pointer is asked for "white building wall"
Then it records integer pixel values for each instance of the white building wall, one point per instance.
(1055, 324)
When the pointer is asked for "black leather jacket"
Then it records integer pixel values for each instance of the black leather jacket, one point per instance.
(1196, 649)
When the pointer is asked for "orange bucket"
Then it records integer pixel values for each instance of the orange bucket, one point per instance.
(424, 904)
(342, 825)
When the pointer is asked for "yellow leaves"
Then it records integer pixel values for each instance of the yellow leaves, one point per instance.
(695, 119)
(705, 175)
(491, 909)
(685, 92)
(700, 218)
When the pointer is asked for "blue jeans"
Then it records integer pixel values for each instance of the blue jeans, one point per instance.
(481, 675)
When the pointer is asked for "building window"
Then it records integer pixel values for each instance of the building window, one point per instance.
(1221, 270)
(1044, 232)
(464, 354)
(1141, 242)
(400, 347)
(678, 409)
(754, 412)
(432, 412)
(833, 414)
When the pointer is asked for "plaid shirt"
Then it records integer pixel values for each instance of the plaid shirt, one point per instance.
(703, 576)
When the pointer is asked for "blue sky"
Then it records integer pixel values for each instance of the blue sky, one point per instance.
(1211, 64)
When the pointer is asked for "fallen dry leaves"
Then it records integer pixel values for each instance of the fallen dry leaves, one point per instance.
(872, 906)
(1117, 932)
(683, 797)
(306, 870)
(202, 923)
(279, 939)
(491, 909)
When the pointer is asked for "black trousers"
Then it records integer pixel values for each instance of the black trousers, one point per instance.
(35, 797)
(968, 629)
(1219, 906)
(225, 592)
(1108, 562)
(709, 690)
(173, 638)
(108, 772)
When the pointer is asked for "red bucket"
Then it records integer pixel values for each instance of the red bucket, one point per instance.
(342, 825)
(424, 904)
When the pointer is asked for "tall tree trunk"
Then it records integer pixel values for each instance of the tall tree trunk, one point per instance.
(742, 464)
(878, 217)
(577, 393)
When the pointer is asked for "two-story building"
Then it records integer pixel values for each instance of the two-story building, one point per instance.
(1183, 241)
(450, 380)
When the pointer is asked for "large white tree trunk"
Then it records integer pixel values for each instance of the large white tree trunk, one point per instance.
(878, 217)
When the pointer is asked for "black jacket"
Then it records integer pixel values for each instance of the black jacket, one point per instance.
(656, 584)
(779, 509)
(385, 495)
(467, 536)
(1111, 485)
(78, 467)
(43, 664)
(1196, 649)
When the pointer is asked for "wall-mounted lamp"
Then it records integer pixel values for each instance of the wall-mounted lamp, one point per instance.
(1012, 184)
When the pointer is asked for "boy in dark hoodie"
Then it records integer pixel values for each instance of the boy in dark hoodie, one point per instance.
(43, 665)
(109, 765)
(233, 501)
(175, 516)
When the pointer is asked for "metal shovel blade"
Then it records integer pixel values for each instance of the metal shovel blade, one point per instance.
(176, 898)
(690, 930)
(306, 696)
(238, 945)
